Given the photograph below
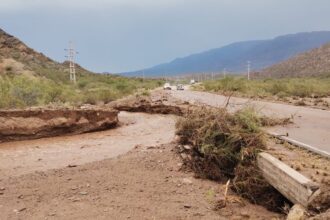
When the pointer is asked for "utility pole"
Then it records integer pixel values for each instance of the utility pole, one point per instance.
(249, 67)
(71, 54)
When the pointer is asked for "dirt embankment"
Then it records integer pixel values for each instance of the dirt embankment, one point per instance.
(158, 103)
(33, 124)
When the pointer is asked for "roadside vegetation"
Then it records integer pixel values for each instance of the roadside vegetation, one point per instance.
(19, 90)
(225, 146)
(282, 89)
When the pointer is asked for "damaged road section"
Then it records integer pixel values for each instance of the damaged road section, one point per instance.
(32, 124)
(147, 105)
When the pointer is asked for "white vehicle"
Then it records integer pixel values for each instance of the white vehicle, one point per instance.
(192, 81)
(167, 86)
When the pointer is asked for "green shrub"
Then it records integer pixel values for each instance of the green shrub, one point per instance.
(18, 91)
(286, 87)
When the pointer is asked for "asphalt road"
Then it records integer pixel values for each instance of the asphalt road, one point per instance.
(311, 126)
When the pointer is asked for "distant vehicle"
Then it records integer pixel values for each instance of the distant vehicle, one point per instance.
(179, 87)
(167, 86)
(192, 81)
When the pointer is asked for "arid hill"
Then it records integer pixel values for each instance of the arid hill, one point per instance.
(17, 58)
(29, 78)
(315, 62)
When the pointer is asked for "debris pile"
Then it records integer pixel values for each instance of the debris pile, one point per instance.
(225, 146)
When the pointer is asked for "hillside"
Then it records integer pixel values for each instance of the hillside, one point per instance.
(16, 57)
(312, 63)
(234, 57)
(29, 78)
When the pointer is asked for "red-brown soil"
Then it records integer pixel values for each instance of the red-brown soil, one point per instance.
(146, 183)
(32, 124)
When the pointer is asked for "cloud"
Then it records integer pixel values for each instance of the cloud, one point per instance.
(123, 35)
(14, 5)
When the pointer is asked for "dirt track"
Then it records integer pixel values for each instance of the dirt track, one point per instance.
(311, 126)
(145, 183)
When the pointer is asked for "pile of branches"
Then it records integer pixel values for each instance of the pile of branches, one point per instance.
(225, 146)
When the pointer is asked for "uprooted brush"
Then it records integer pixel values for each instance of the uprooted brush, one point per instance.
(225, 146)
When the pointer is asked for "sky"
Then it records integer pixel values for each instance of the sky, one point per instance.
(126, 35)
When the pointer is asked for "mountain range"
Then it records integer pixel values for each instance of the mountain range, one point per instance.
(234, 57)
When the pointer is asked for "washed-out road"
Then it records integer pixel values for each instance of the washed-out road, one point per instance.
(136, 129)
(311, 126)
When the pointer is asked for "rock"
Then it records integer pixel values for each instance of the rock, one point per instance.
(20, 210)
(72, 165)
(2, 188)
(83, 193)
(184, 156)
(297, 212)
(177, 138)
(74, 199)
(186, 181)
(187, 206)
(187, 147)
(245, 214)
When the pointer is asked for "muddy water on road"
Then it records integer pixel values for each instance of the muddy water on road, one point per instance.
(17, 158)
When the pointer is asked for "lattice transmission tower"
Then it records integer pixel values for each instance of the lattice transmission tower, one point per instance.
(71, 58)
